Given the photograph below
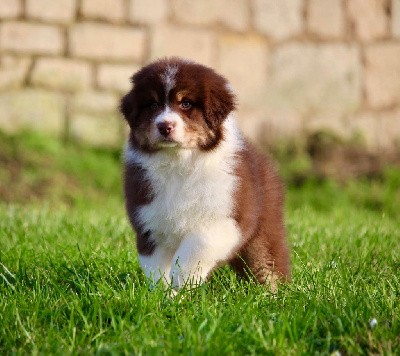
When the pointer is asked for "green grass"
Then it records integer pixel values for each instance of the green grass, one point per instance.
(70, 280)
(36, 169)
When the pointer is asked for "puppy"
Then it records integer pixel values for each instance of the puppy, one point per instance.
(198, 194)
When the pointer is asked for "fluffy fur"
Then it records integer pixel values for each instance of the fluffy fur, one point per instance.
(197, 193)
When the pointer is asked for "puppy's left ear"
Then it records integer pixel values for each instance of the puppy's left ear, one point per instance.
(219, 102)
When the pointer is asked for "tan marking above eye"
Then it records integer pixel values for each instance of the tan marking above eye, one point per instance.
(181, 95)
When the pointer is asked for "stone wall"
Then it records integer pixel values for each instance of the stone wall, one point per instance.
(297, 65)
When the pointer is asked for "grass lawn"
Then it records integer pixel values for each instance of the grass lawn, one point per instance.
(70, 280)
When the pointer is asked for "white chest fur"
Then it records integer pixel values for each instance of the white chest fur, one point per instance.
(191, 189)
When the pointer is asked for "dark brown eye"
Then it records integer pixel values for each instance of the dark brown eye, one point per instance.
(186, 105)
(154, 105)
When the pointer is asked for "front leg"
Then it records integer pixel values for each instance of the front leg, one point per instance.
(157, 265)
(200, 252)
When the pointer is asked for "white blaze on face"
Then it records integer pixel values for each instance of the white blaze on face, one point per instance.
(167, 115)
(168, 77)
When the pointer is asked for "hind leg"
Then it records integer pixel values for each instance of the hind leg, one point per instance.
(265, 262)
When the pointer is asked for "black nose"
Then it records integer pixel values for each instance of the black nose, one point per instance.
(165, 128)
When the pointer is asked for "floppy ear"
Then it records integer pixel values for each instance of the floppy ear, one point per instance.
(219, 102)
(127, 107)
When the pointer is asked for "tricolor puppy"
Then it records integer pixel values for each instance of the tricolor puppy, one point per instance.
(197, 193)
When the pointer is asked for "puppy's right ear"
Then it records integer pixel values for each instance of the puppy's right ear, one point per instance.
(126, 105)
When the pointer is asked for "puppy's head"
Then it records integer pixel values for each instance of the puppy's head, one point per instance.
(177, 104)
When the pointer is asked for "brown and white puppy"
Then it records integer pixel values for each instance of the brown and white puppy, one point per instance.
(197, 193)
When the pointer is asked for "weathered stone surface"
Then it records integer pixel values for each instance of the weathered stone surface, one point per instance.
(382, 83)
(112, 11)
(389, 123)
(369, 18)
(59, 11)
(268, 125)
(286, 80)
(96, 130)
(330, 122)
(115, 76)
(313, 80)
(32, 108)
(23, 37)
(148, 11)
(379, 130)
(102, 42)
(233, 14)
(10, 9)
(278, 19)
(62, 73)
(13, 71)
(396, 18)
(326, 18)
(194, 44)
(94, 118)
(365, 125)
(244, 62)
(95, 103)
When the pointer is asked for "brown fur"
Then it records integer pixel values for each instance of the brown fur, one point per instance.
(137, 193)
(259, 196)
(212, 102)
(259, 214)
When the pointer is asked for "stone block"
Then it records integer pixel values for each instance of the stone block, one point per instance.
(268, 125)
(326, 18)
(396, 18)
(60, 11)
(10, 9)
(380, 130)
(30, 38)
(389, 129)
(194, 44)
(366, 126)
(243, 60)
(330, 122)
(116, 76)
(315, 79)
(232, 14)
(96, 130)
(382, 78)
(278, 19)
(112, 11)
(13, 71)
(106, 42)
(369, 18)
(94, 118)
(94, 103)
(62, 73)
(148, 11)
(33, 109)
